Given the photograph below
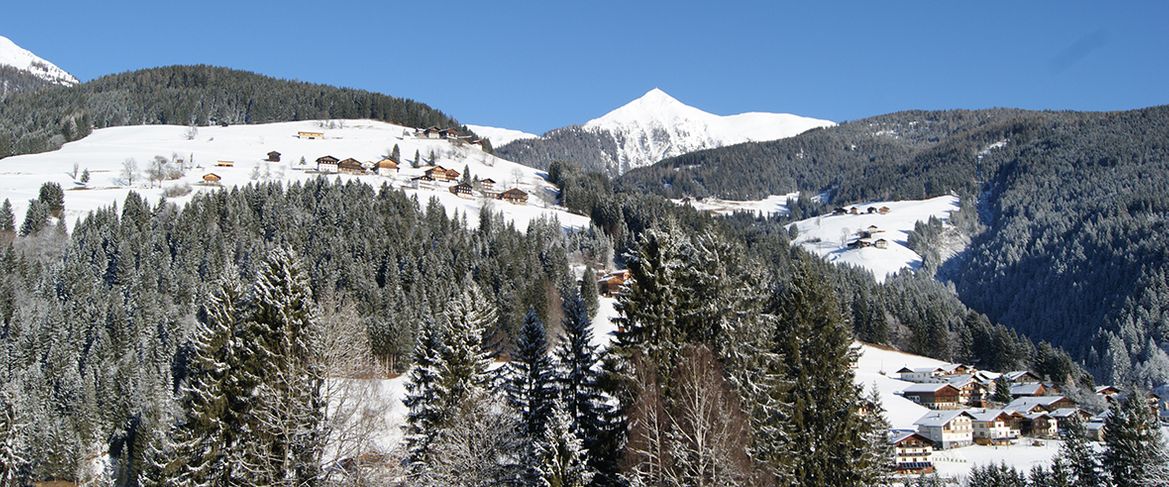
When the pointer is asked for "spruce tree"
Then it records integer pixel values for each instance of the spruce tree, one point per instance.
(580, 396)
(1134, 449)
(12, 461)
(588, 290)
(7, 223)
(423, 390)
(1082, 462)
(464, 359)
(205, 439)
(529, 384)
(1002, 391)
(417, 161)
(396, 154)
(564, 459)
(53, 197)
(35, 219)
(873, 465)
(816, 345)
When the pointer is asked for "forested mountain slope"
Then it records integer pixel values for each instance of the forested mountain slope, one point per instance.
(184, 95)
(1073, 205)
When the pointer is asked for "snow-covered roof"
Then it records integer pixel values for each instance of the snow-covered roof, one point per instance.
(941, 418)
(897, 436)
(984, 415)
(919, 388)
(1065, 412)
(1027, 403)
(1030, 389)
(1015, 375)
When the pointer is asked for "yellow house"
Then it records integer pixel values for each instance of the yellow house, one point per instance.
(310, 135)
(225, 164)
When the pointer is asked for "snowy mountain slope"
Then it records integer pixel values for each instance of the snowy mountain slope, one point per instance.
(20, 58)
(773, 205)
(828, 235)
(500, 136)
(104, 152)
(651, 128)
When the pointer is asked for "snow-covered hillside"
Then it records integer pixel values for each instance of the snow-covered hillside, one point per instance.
(657, 126)
(770, 206)
(828, 235)
(20, 58)
(500, 136)
(104, 152)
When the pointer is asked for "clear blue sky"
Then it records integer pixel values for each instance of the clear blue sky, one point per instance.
(539, 65)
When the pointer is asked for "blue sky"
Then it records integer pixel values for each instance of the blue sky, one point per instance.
(540, 65)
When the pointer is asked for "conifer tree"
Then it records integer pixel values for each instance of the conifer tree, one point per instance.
(396, 154)
(7, 223)
(873, 465)
(35, 219)
(12, 461)
(53, 197)
(1002, 391)
(577, 373)
(417, 161)
(529, 383)
(1134, 449)
(816, 345)
(1082, 462)
(464, 359)
(563, 455)
(205, 439)
(423, 390)
(588, 290)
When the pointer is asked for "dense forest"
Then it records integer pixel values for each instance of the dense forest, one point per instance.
(13, 80)
(42, 120)
(593, 150)
(1066, 247)
(124, 337)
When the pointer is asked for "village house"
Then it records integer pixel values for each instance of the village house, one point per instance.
(884, 210)
(351, 166)
(387, 167)
(327, 164)
(1040, 425)
(487, 184)
(273, 157)
(462, 190)
(993, 427)
(1031, 389)
(225, 164)
(610, 284)
(839, 211)
(871, 210)
(1107, 391)
(1159, 400)
(427, 133)
(515, 196)
(1037, 404)
(310, 135)
(972, 391)
(211, 179)
(947, 429)
(933, 396)
(439, 173)
(911, 453)
(854, 211)
(881, 243)
(1063, 416)
(938, 374)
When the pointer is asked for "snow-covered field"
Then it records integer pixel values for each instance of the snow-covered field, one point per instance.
(500, 136)
(770, 206)
(828, 235)
(104, 152)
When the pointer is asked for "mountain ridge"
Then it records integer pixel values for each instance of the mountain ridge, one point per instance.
(22, 59)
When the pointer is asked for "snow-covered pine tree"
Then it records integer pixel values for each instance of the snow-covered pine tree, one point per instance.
(1134, 448)
(816, 344)
(1002, 391)
(478, 447)
(464, 360)
(1082, 462)
(564, 459)
(588, 290)
(7, 223)
(594, 421)
(423, 391)
(205, 438)
(286, 438)
(649, 308)
(530, 387)
(12, 461)
(874, 461)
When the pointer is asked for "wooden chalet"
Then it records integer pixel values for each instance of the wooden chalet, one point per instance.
(1030, 389)
(462, 190)
(273, 157)
(911, 453)
(351, 166)
(1021, 377)
(884, 210)
(1039, 404)
(225, 164)
(839, 211)
(854, 211)
(487, 184)
(211, 178)
(327, 164)
(310, 135)
(514, 196)
(610, 284)
(933, 396)
(947, 429)
(387, 167)
(427, 133)
(871, 210)
(439, 173)
(881, 243)
(994, 427)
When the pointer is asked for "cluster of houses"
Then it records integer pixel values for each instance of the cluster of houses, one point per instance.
(964, 412)
(869, 237)
(452, 135)
(854, 210)
(388, 167)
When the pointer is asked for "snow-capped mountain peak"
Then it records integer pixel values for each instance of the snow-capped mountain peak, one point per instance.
(657, 125)
(20, 58)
